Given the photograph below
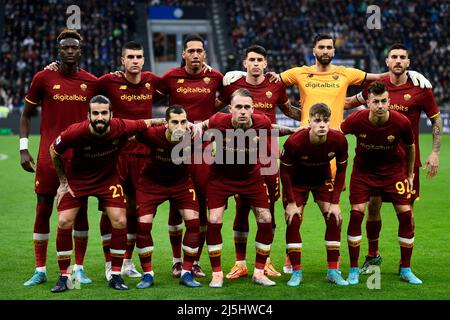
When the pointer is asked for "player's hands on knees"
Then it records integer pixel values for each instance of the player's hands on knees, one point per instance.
(62, 190)
(291, 211)
(432, 164)
(26, 161)
(334, 212)
(54, 66)
(274, 77)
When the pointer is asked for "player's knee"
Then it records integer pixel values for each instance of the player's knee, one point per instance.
(119, 222)
(263, 215)
(65, 222)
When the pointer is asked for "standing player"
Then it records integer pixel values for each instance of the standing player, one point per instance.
(63, 97)
(266, 96)
(92, 171)
(194, 87)
(244, 179)
(410, 101)
(325, 82)
(132, 98)
(378, 168)
(305, 167)
(166, 177)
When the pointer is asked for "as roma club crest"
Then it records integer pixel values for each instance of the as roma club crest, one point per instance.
(331, 155)
(390, 138)
(83, 86)
(123, 87)
(180, 81)
(148, 85)
(269, 94)
(207, 80)
(335, 76)
(407, 96)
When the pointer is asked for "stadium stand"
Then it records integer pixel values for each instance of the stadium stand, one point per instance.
(284, 27)
(30, 32)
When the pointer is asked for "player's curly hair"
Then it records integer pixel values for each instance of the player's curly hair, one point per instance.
(69, 33)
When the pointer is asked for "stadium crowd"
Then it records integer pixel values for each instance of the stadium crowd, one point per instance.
(30, 31)
(285, 28)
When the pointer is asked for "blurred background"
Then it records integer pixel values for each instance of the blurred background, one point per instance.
(28, 31)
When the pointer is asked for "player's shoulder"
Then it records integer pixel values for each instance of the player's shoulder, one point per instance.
(86, 75)
(398, 117)
(149, 76)
(300, 69)
(111, 78)
(336, 135)
(173, 72)
(358, 115)
(297, 138)
(77, 127)
(344, 70)
(261, 120)
(214, 73)
(271, 85)
(45, 75)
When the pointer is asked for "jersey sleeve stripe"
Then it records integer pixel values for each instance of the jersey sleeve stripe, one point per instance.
(286, 164)
(29, 101)
(434, 116)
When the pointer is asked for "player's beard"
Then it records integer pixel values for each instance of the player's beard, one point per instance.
(325, 60)
(398, 71)
(100, 130)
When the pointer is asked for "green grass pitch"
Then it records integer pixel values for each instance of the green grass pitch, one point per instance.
(431, 257)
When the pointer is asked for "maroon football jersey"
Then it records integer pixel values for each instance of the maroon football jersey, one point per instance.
(130, 101)
(196, 93)
(160, 167)
(410, 100)
(266, 95)
(231, 149)
(64, 101)
(94, 158)
(311, 163)
(377, 147)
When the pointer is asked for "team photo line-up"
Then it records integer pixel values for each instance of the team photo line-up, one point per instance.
(98, 138)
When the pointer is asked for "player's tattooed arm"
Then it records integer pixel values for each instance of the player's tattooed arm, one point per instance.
(432, 163)
(285, 130)
(291, 111)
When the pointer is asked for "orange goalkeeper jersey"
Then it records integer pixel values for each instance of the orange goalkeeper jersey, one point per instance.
(328, 87)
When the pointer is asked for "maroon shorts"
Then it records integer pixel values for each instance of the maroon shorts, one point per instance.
(253, 192)
(322, 192)
(129, 167)
(181, 195)
(199, 175)
(391, 190)
(46, 181)
(110, 195)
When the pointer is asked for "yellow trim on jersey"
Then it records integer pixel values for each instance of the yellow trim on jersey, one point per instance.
(286, 164)
(29, 101)
(342, 162)
(435, 115)
(160, 92)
